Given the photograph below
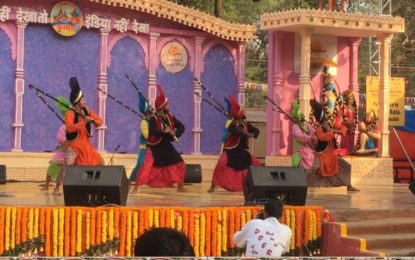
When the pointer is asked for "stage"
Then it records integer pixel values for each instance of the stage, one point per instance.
(370, 197)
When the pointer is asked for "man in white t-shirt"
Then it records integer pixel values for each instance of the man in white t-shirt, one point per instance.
(265, 238)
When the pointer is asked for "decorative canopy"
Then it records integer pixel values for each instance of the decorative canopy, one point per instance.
(332, 22)
(188, 16)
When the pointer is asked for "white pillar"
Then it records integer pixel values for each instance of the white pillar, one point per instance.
(102, 84)
(240, 74)
(152, 89)
(305, 88)
(19, 88)
(197, 130)
(384, 89)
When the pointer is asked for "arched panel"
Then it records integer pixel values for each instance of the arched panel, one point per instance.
(123, 127)
(178, 88)
(220, 79)
(7, 66)
(49, 61)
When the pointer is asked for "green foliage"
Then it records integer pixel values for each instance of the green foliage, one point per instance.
(255, 98)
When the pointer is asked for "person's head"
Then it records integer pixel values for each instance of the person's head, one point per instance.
(163, 242)
(144, 107)
(62, 104)
(236, 111)
(370, 116)
(273, 208)
(162, 102)
(76, 97)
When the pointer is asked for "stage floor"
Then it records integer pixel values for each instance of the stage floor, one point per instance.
(371, 197)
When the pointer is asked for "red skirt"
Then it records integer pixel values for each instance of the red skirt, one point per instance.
(159, 177)
(228, 178)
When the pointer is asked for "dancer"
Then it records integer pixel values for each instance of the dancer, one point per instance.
(55, 164)
(78, 132)
(168, 167)
(147, 111)
(232, 166)
(328, 169)
(303, 139)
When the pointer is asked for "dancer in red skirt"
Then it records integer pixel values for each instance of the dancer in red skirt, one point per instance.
(168, 166)
(232, 167)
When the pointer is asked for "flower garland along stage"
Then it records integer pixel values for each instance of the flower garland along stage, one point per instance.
(73, 231)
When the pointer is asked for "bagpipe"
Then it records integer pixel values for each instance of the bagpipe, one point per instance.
(163, 120)
(40, 93)
(213, 102)
(296, 121)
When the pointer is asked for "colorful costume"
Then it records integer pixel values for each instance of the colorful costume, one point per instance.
(55, 164)
(145, 109)
(232, 167)
(328, 169)
(168, 167)
(303, 140)
(79, 148)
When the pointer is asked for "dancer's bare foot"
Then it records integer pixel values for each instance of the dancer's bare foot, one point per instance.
(45, 188)
(211, 189)
(135, 189)
(351, 188)
(180, 188)
(56, 191)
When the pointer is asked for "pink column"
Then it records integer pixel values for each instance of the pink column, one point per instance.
(19, 88)
(275, 86)
(196, 100)
(152, 89)
(354, 67)
(103, 84)
(240, 74)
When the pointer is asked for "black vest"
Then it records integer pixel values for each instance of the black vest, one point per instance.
(74, 135)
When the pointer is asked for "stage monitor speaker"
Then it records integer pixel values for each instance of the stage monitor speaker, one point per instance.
(2, 174)
(95, 186)
(193, 173)
(262, 183)
(412, 187)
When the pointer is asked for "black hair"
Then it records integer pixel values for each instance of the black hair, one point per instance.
(273, 208)
(163, 242)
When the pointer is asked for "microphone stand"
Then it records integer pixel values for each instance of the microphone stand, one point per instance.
(111, 161)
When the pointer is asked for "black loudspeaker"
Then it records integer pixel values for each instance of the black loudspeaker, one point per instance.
(412, 187)
(2, 174)
(193, 173)
(262, 183)
(95, 186)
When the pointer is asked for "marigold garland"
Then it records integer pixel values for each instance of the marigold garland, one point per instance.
(191, 227)
(7, 229)
(135, 226)
(209, 230)
(219, 234)
(47, 231)
(73, 232)
(123, 232)
(104, 227)
(2, 229)
(224, 230)
(196, 240)
(202, 234)
(67, 229)
(24, 224)
(128, 233)
(79, 218)
(13, 229)
(111, 224)
(61, 230)
(55, 217)
(18, 226)
(93, 221)
(88, 230)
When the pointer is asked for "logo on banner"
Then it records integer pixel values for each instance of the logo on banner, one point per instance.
(173, 57)
(66, 18)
